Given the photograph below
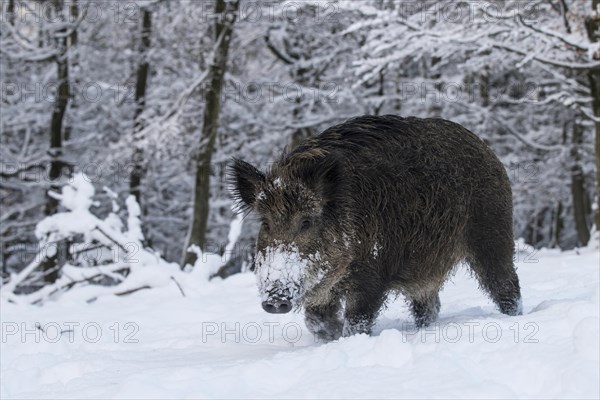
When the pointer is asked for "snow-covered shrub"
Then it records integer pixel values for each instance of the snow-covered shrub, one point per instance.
(106, 255)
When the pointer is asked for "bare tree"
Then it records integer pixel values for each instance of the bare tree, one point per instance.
(137, 171)
(592, 25)
(580, 208)
(57, 164)
(226, 13)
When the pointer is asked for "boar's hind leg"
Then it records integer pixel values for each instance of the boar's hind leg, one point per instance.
(493, 265)
(324, 321)
(425, 308)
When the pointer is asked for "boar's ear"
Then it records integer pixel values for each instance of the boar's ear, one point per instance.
(244, 179)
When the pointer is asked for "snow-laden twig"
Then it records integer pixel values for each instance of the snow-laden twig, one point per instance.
(576, 66)
(566, 39)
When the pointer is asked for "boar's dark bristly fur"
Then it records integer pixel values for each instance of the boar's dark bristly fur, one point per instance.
(380, 204)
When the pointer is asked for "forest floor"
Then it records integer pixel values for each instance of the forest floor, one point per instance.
(217, 342)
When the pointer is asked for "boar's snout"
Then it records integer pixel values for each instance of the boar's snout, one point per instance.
(277, 306)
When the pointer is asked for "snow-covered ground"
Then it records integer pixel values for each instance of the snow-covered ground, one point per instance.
(217, 342)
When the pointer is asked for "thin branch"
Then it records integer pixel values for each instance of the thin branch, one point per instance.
(564, 10)
(178, 285)
(572, 66)
(111, 239)
(276, 51)
(558, 36)
(130, 291)
(15, 280)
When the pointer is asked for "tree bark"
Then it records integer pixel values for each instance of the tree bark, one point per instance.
(57, 119)
(557, 225)
(593, 32)
(10, 12)
(578, 189)
(56, 136)
(137, 170)
(225, 12)
(74, 61)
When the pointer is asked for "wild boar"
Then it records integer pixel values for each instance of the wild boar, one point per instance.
(374, 205)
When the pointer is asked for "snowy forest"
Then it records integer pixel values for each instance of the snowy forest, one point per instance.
(145, 99)
(119, 120)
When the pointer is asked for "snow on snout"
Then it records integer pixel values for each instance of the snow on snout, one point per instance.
(282, 271)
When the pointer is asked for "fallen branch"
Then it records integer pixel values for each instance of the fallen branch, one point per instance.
(126, 292)
(178, 285)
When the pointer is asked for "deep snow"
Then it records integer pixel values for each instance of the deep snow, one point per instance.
(217, 342)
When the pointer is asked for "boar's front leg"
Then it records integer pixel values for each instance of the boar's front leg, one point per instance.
(363, 302)
(324, 321)
(360, 314)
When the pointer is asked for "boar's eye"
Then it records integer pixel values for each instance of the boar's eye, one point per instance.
(265, 225)
(305, 225)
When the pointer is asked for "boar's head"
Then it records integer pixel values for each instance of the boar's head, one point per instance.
(298, 241)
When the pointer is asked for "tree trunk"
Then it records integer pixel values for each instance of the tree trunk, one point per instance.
(578, 188)
(597, 150)
(137, 171)
(484, 88)
(593, 27)
(10, 12)
(557, 225)
(56, 123)
(74, 11)
(56, 135)
(225, 12)
(74, 60)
